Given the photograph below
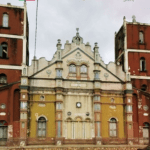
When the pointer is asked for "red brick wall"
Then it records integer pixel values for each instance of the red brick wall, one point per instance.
(133, 36)
(16, 105)
(15, 20)
(12, 75)
(134, 63)
(10, 97)
(15, 48)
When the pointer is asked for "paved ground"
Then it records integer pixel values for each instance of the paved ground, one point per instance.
(76, 147)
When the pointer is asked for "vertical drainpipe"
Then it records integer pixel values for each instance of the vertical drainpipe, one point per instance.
(24, 35)
(125, 46)
(115, 46)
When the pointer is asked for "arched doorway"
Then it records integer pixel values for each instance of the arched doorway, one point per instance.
(3, 132)
(78, 128)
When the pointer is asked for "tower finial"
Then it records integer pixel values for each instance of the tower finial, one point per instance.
(77, 29)
(24, 2)
(133, 18)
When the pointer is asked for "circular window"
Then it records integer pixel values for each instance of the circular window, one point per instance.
(42, 97)
(2, 106)
(145, 107)
(87, 114)
(112, 100)
(69, 113)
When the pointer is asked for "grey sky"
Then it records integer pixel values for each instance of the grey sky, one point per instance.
(97, 21)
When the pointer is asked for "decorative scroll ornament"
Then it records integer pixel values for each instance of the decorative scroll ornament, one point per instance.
(106, 75)
(78, 55)
(77, 61)
(48, 72)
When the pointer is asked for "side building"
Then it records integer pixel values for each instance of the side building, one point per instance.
(14, 58)
(76, 99)
(132, 51)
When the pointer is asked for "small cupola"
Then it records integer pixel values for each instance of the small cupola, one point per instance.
(77, 39)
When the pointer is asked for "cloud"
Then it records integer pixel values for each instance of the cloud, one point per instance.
(97, 19)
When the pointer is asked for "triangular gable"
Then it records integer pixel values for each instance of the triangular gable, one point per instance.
(41, 70)
(51, 67)
(107, 75)
(76, 50)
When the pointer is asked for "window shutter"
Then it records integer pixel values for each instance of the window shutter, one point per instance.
(1, 51)
(145, 133)
(5, 132)
(1, 132)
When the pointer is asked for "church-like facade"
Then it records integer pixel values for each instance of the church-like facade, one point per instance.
(76, 98)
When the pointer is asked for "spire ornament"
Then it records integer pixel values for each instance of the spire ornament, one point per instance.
(77, 30)
(133, 18)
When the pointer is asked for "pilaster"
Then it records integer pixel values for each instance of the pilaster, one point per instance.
(23, 110)
(59, 96)
(129, 117)
(96, 97)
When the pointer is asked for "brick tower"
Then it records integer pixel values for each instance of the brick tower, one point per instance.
(132, 50)
(14, 58)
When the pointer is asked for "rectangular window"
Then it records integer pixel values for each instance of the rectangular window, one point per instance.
(41, 129)
(5, 20)
(23, 105)
(129, 108)
(58, 106)
(113, 129)
(3, 133)
(98, 128)
(96, 98)
(96, 75)
(141, 37)
(59, 73)
(96, 107)
(145, 132)
(59, 129)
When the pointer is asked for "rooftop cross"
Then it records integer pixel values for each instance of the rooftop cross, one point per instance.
(77, 29)
(133, 18)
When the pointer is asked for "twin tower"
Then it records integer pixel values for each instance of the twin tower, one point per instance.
(75, 98)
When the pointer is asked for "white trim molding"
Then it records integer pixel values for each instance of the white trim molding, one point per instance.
(11, 36)
(12, 6)
(138, 50)
(140, 77)
(11, 67)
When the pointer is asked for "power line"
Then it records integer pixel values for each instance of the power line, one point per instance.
(144, 92)
(36, 30)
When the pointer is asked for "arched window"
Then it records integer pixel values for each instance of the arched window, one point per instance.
(141, 37)
(146, 130)
(83, 69)
(41, 127)
(113, 127)
(144, 87)
(142, 64)
(72, 68)
(3, 78)
(3, 50)
(5, 20)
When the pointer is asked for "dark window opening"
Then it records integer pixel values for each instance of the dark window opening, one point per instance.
(141, 37)
(144, 87)
(3, 79)
(3, 50)
(142, 64)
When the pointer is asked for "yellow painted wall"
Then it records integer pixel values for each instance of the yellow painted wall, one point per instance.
(48, 111)
(108, 113)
